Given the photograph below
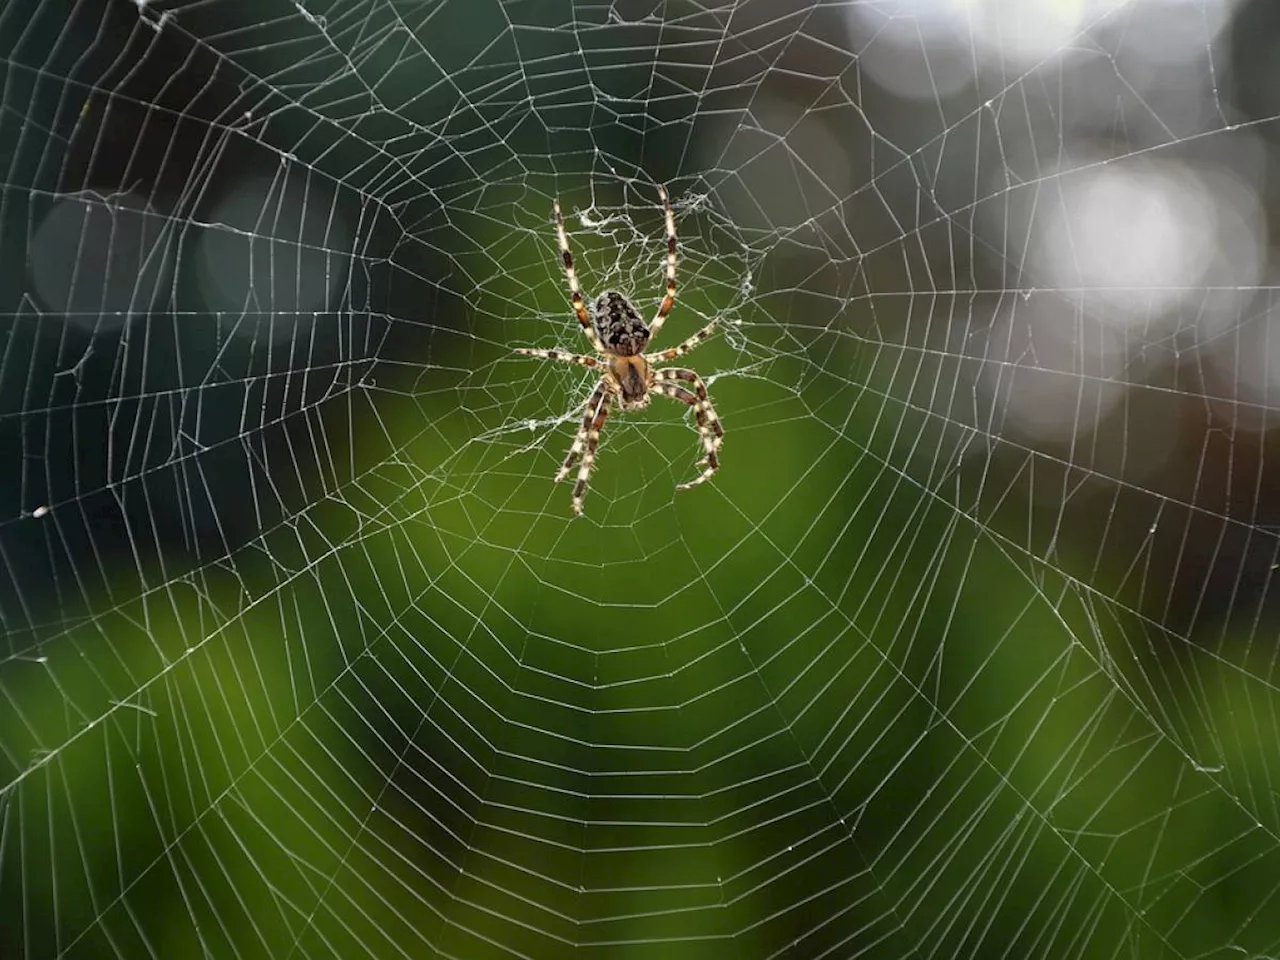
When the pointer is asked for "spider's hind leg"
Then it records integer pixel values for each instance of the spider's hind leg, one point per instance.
(669, 300)
(664, 355)
(575, 291)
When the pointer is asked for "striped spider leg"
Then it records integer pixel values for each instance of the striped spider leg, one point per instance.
(586, 441)
(665, 355)
(667, 382)
(562, 355)
(669, 300)
(575, 291)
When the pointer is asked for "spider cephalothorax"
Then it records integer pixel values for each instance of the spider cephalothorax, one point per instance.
(620, 337)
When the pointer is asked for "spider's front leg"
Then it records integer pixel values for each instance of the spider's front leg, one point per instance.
(586, 442)
(709, 428)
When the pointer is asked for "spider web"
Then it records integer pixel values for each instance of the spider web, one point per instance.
(969, 649)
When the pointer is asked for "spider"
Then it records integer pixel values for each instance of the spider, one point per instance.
(619, 337)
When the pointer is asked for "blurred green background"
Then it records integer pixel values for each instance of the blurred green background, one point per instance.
(968, 650)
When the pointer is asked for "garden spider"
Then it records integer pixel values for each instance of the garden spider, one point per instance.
(619, 337)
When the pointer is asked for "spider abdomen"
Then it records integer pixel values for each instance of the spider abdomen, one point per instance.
(619, 325)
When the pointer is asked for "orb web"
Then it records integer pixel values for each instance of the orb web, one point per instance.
(968, 649)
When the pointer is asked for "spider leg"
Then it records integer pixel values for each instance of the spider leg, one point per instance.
(669, 300)
(706, 413)
(587, 438)
(688, 345)
(575, 292)
(580, 439)
(589, 456)
(557, 355)
(709, 428)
